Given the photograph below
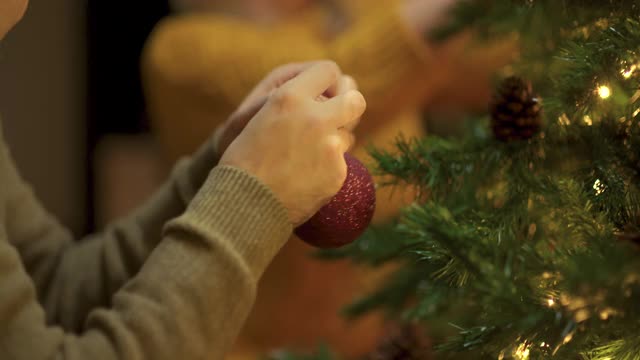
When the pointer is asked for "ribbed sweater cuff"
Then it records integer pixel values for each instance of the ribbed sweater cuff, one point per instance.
(236, 211)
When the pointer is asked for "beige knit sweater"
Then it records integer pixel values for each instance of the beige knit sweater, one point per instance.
(136, 291)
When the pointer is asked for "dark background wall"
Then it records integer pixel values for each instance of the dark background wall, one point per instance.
(69, 77)
(116, 37)
(42, 102)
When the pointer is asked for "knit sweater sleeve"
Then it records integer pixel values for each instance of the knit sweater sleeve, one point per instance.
(188, 300)
(109, 258)
(198, 67)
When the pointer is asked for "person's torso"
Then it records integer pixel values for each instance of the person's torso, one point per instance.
(327, 19)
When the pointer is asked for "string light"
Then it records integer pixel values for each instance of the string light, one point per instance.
(599, 187)
(627, 73)
(551, 302)
(522, 352)
(567, 339)
(582, 315)
(604, 91)
(607, 313)
(564, 119)
(588, 120)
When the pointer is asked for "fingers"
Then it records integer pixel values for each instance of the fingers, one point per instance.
(342, 141)
(289, 71)
(346, 84)
(321, 78)
(339, 102)
(277, 78)
(344, 111)
(347, 138)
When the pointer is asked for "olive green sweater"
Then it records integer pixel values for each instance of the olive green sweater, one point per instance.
(140, 289)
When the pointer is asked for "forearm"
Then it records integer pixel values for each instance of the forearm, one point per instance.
(108, 259)
(153, 317)
(188, 301)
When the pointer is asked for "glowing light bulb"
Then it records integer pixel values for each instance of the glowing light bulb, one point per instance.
(604, 91)
(564, 120)
(522, 352)
(588, 120)
(627, 73)
(551, 302)
(567, 339)
(599, 187)
(582, 315)
(607, 313)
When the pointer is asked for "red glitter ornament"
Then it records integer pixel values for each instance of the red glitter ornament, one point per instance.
(345, 218)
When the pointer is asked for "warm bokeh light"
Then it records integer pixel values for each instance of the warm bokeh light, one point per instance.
(567, 339)
(604, 91)
(599, 187)
(627, 73)
(588, 120)
(522, 352)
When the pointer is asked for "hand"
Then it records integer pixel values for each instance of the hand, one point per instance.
(231, 128)
(250, 106)
(296, 142)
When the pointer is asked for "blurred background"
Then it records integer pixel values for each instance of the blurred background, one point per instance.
(72, 107)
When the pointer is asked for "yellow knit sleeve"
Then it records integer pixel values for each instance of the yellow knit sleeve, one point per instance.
(197, 68)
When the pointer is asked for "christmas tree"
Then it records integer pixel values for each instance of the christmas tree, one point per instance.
(524, 240)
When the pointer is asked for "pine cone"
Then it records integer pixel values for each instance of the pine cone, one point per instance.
(405, 345)
(516, 112)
